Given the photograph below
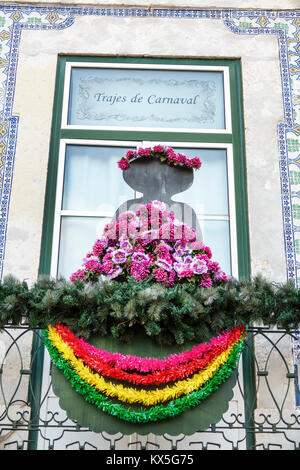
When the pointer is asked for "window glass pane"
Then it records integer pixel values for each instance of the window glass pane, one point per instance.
(93, 180)
(208, 194)
(145, 98)
(216, 235)
(77, 236)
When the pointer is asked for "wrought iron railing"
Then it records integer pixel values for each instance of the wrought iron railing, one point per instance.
(263, 414)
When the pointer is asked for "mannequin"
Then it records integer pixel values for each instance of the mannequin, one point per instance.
(159, 181)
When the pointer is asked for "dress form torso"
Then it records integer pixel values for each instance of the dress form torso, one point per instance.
(159, 181)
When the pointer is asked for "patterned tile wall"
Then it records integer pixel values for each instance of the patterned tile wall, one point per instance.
(284, 24)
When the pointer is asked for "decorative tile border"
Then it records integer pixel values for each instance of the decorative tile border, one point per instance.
(284, 24)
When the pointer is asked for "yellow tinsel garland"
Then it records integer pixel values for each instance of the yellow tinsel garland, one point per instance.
(129, 394)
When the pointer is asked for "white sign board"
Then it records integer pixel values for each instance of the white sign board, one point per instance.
(146, 98)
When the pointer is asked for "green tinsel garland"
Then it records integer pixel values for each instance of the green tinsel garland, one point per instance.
(154, 413)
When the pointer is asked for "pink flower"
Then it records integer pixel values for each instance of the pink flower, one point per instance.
(167, 217)
(159, 205)
(139, 257)
(122, 228)
(119, 256)
(196, 162)
(109, 226)
(144, 152)
(158, 149)
(203, 256)
(142, 210)
(163, 252)
(196, 246)
(108, 266)
(206, 281)
(166, 232)
(171, 278)
(126, 215)
(188, 233)
(139, 249)
(171, 155)
(126, 246)
(79, 274)
(181, 248)
(130, 154)
(106, 258)
(199, 267)
(129, 248)
(133, 230)
(92, 265)
(160, 275)
(214, 267)
(115, 272)
(189, 163)
(207, 251)
(180, 159)
(151, 260)
(149, 235)
(186, 273)
(163, 263)
(138, 271)
(123, 164)
(98, 248)
(181, 267)
(220, 276)
(110, 231)
(90, 256)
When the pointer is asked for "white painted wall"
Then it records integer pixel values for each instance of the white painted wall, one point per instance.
(195, 38)
(200, 38)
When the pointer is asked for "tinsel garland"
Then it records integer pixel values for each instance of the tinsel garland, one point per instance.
(154, 413)
(149, 364)
(129, 394)
(95, 358)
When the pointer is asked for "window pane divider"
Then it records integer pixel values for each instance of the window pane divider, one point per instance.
(76, 213)
(101, 214)
(213, 217)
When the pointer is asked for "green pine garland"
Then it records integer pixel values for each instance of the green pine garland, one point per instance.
(175, 315)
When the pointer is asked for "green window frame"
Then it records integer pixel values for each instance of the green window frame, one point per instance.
(233, 137)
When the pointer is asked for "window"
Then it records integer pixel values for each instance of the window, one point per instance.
(103, 107)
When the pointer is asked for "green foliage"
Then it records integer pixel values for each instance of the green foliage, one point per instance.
(179, 314)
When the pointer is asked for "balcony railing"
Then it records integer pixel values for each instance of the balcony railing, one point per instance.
(263, 414)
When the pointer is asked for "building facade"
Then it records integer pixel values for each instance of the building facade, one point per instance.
(53, 57)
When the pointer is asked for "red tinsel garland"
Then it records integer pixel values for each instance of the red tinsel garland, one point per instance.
(157, 378)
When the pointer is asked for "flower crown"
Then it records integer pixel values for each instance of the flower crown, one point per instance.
(164, 154)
